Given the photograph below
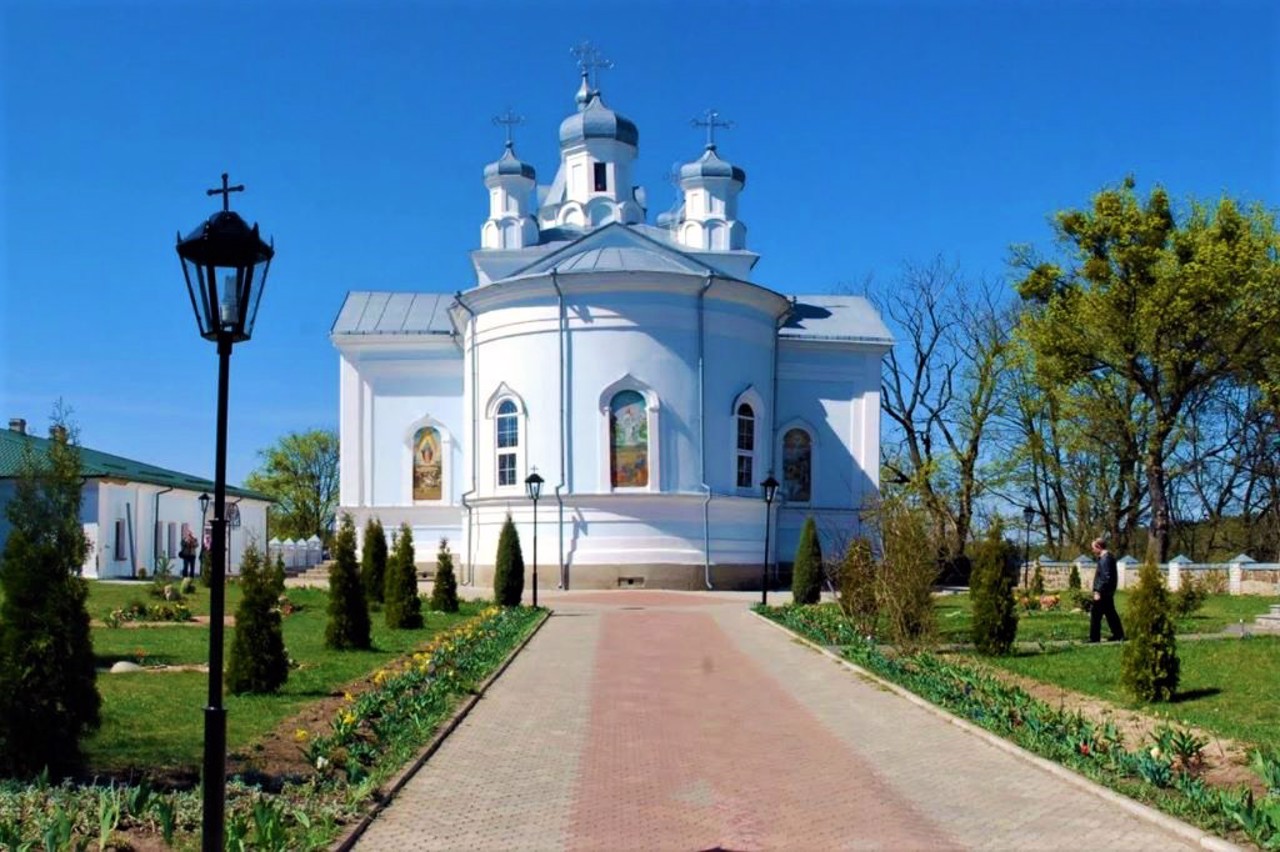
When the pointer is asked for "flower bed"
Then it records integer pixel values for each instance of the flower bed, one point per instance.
(369, 739)
(1163, 773)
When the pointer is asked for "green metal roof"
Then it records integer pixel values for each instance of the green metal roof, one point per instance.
(96, 464)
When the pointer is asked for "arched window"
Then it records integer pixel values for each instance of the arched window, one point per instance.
(797, 465)
(428, 464)
(508, 443)
(628, 440)
(746, 446)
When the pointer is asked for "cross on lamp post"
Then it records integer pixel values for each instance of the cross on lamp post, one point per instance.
(225, 264)
(1028, 515)
(770, 488)
(533, 484)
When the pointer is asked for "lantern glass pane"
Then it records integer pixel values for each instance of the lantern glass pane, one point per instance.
(255, 297)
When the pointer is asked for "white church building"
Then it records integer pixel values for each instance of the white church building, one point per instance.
(638, 368)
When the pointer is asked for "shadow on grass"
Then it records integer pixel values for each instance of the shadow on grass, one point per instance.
(1194, 694)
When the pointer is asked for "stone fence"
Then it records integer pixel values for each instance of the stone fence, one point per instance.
(1239, 576)
(298, 555)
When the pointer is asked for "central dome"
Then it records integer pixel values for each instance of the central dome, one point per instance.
(597, 121)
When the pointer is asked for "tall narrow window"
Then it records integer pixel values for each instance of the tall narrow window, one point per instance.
(173, 539)
(602, 177)
(746, 451)
(797, 463)
(118, 548)
(628, 440)
(508, 442)
(428, 464)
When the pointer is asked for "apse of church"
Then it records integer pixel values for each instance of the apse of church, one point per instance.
(682, 381)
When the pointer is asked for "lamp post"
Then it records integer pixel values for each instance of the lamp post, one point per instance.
(533, 484)
(770, 487)
(203, 500)
(225, 264)
(1028, 515)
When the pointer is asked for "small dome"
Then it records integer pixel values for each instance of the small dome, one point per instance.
(509, 164)
(597, 121)
(709, 165)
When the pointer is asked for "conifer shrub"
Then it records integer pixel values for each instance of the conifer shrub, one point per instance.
(206, 567)
(806, 571)
(278, 575)
(258, 662)
(444, 591)
(403, 606)
(1150, 666)
(1073, 579)
(508, 572)
(857, 595)
(373, 561)
(49, 698)
(1190, 596)
(348, 626)
(1037, 582)
(995, 615)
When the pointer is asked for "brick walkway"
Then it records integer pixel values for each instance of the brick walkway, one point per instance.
(643, 720)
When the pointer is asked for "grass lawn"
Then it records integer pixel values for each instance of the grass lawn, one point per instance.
(1228, 686)
(157, 719)
(955, 617)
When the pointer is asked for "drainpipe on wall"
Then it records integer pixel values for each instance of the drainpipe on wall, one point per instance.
(560, 333)
(155, 520)
(475, 436)
(702, 435)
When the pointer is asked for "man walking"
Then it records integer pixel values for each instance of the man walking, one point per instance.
(1104, 594)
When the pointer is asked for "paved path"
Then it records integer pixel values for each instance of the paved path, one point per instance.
(646, 720)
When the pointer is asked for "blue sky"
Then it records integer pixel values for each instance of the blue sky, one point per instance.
(871, 133)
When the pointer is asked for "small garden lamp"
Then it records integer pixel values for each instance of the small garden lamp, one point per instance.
(770, 489)
(225, 265)
(533, 484)
(203, 500)
(1028, 515)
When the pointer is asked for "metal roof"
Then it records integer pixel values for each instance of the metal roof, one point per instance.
(710, 165)
(96, 464)
(394, 313)
(616, 248)
(597, 121)
(848, 318)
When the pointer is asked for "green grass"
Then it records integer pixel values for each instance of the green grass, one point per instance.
(1228, 686)
(955, 618)
(156, 718)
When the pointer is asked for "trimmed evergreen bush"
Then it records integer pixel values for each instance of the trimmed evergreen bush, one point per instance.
(206, 567)
(279, 574)
(995, 616)
(806, 571)
(508, 572)
(348, 626)
(857, 597)
(1073, 579)
(50, 697)
(1037, 581)
(259, 663)
(1151, 667)
(444, 590)
(404, 607)
(373, 561)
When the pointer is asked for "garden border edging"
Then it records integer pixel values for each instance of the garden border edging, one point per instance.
(1171, 824)
(348, 840)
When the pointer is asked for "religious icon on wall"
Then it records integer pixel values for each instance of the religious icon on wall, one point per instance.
(428, 466)
(629, 441)
(797, 458)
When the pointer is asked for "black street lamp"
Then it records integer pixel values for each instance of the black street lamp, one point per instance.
(225, 264)
(533, 484)
(1028, 515)
(770, 487)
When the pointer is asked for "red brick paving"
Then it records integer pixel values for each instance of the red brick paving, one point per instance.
(691, 745)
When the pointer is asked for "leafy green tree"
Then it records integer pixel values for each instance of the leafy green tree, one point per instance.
(300, 471)
(258, 661)
(348, 626)
(1150, 666)
(50, 697)
(444, 589)
(508, 573)
(404, 607)
(806, 571)
(373, 561)
(995, 616)
(1168, 303)
(857, 597)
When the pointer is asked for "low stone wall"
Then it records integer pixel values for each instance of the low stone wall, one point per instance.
(1236, 578)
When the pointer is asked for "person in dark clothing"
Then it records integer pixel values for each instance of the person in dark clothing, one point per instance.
(188, 553)
(1104, 595)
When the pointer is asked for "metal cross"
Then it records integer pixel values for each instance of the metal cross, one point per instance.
(711, 120)
(590, 62)
(510, 119)
(225, 192)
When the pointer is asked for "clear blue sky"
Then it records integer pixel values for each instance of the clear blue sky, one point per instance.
(871, 133)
